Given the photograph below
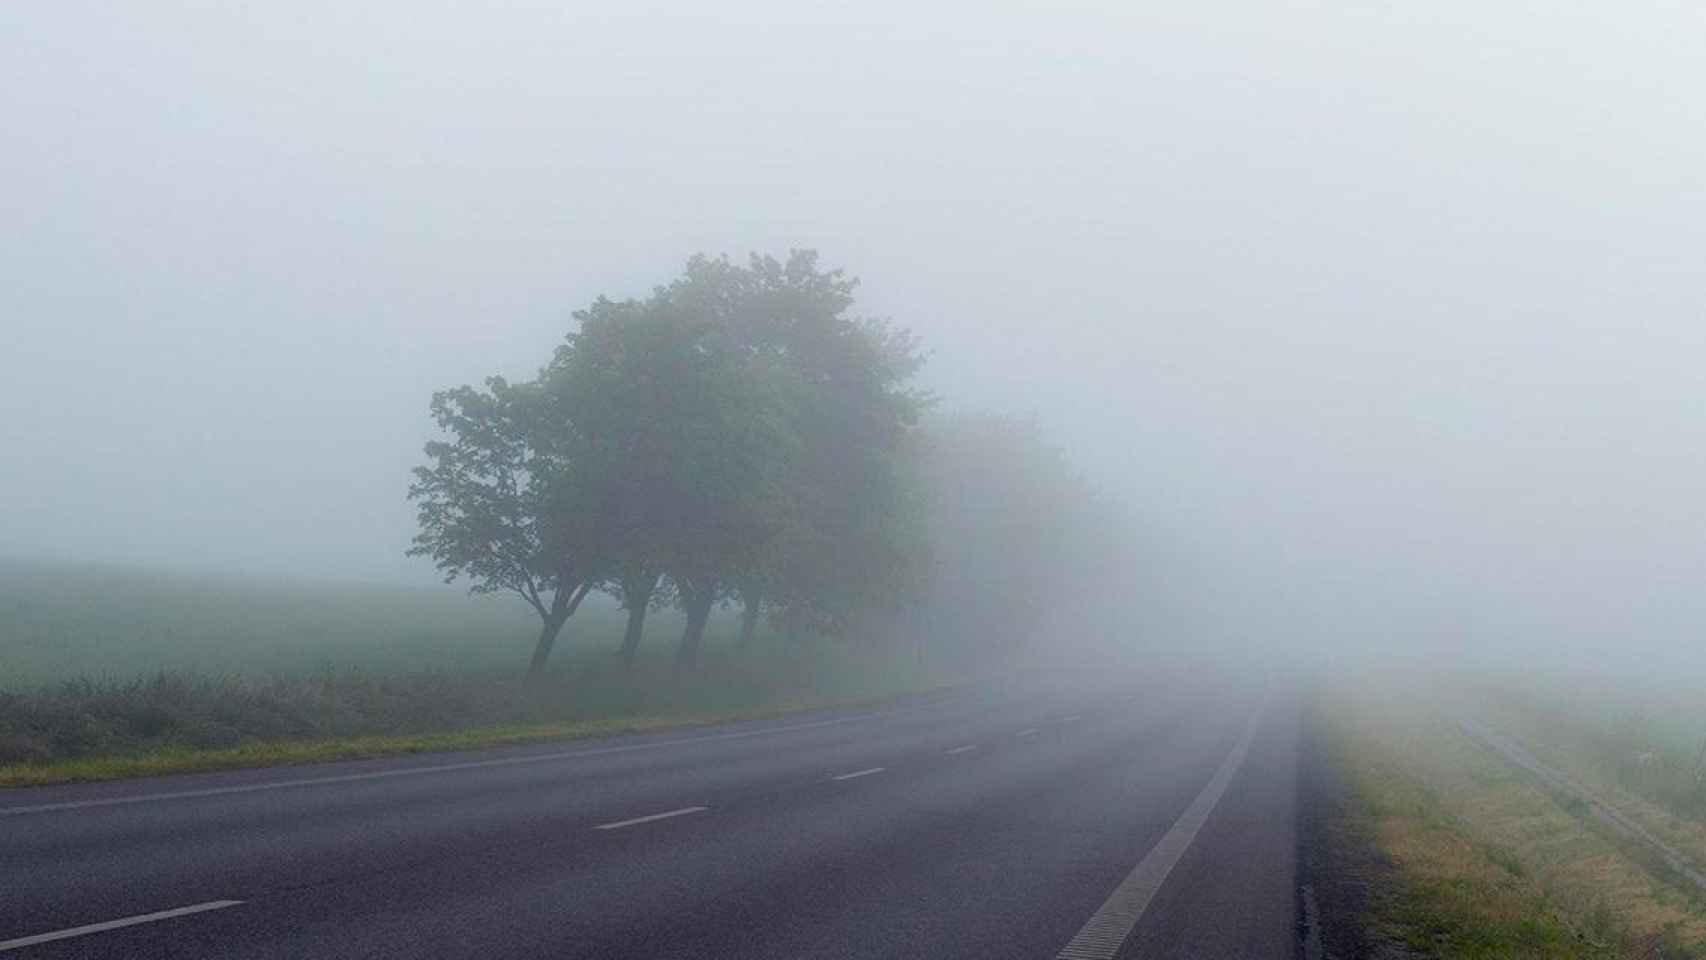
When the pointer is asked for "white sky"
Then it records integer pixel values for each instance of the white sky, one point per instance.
(1385, 307)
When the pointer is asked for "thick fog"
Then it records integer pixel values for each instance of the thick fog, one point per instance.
(1386, 320)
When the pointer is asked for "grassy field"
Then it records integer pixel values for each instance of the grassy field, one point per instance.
(1640, 746)
(60, 621)
(1477, 860)
(108, 672)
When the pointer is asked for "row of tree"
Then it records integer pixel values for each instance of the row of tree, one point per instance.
(739, 436)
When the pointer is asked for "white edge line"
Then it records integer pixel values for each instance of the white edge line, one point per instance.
(650, 818)
(416, 771)
(1106, 931)
(969, 746)
(86, 929)
(859, 773)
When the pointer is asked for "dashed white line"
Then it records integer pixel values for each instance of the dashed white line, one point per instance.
(1070, 717)
(968, 747)
(684, 811)
(87, 929)
(1027, 732)
(859, 773)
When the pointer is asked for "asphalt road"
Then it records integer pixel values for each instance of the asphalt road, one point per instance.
(1150, 820)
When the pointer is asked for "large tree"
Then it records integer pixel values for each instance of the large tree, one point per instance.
(849, 546)
(499, 503)
(1017, 535)
(733, 436)
(682, 441)
(608, 372)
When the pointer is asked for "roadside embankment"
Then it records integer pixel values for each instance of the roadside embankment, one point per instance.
(1428, 844)
(174, 722)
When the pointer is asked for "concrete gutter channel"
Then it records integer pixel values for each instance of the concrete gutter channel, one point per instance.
(1516, 755)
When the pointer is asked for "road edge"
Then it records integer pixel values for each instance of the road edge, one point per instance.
(301, 753)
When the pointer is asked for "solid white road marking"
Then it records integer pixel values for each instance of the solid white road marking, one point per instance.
(1107, 930)
(416, 771)
(1028, 731)
(859, 773)
(969, 746)
(684, 811)
(87, 929)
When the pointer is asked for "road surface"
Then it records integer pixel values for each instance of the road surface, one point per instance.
(1155, 820)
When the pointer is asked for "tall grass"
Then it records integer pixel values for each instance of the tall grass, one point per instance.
(1648, 739)
(107, 661)
(179, 711)
(1478, 859)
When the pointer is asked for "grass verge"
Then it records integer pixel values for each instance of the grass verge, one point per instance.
(1636, 748)
(89, 729)
(283, 752)
(1477, 860)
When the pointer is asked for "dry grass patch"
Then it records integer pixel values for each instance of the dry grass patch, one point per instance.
(1606, 755)
(1486, 862)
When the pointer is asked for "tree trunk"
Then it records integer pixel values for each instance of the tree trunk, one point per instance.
(637, 597)
(553, 625)
(563, 606)
(631, 639)
(749, 618)
(693, 637)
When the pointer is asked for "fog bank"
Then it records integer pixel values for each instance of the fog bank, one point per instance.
(1385, 323)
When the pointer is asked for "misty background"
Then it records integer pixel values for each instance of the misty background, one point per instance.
(1385, 322)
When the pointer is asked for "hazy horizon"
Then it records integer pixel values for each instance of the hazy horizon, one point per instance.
(1384, 325)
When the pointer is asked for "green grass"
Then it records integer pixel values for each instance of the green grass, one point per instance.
(113, 671)
(266, 753)
(62, 621)
(1482, 863)
(1645, 739)
(191, 721)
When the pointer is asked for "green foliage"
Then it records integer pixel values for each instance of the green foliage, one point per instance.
(278, 671)
(849, 548)
(501, 504)
(681, 438)
(738, 432)
(490, 501)
(179, 712)
(1013, 531)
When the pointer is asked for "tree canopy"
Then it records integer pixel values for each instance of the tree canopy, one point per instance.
(741, 436)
